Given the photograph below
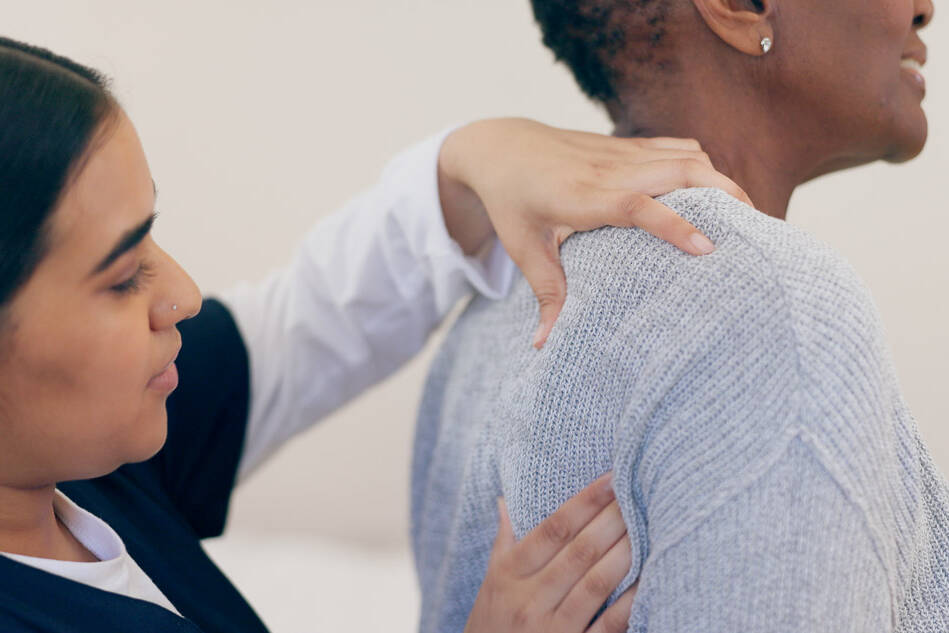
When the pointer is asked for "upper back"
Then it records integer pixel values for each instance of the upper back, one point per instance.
(684, 375)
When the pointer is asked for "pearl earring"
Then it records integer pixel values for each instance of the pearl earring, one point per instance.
(174, 307)
(766, 44)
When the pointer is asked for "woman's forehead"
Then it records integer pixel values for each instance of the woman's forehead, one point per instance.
(112, 193)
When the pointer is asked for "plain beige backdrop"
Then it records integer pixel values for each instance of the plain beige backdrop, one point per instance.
(259, 118)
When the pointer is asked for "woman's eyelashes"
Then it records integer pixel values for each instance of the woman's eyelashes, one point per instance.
(137, 281)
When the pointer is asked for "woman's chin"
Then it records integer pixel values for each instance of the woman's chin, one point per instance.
(911, 139)
(149, 438)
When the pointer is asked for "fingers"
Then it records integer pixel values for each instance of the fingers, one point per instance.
(656, 218)
(657, 177)
(588, 566)
(673, 154)
(587, 595)
(665, 142)
(565, 561)
(543, 271)
(504, 540)
(668, 153)
(615, 170)
(616, 618)
(594, 141)
(536, 185)
(544, 542)
(633, 206)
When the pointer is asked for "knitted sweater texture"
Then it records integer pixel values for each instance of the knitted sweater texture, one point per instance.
(769, 471)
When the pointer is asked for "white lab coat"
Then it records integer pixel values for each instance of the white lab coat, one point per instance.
(356, 302)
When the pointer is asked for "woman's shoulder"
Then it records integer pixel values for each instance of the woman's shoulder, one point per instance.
(767, 248)
(758, 260)
(811, 286)
(768, 286)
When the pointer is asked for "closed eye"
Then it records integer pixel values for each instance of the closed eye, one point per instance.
(137, 281)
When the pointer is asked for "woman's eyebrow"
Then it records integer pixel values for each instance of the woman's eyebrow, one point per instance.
(129, 240)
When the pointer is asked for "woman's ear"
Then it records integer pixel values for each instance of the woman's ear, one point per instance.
(745, 25)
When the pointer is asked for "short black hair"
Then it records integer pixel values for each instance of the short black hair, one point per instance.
(588, 35)
(50, 110)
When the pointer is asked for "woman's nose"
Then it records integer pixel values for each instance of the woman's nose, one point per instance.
(177, 297)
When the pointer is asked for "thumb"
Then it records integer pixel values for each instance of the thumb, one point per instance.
(542, 269)
(505, 538)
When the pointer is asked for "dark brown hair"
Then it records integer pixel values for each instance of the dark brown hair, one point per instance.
(50, 111)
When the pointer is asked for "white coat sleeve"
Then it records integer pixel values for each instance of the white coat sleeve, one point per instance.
(358, 299)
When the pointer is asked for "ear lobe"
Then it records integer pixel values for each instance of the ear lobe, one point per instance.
(742, 24)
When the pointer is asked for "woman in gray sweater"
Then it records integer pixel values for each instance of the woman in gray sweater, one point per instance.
(768, 469)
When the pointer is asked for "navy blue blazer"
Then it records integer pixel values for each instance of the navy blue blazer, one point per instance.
(161, 508)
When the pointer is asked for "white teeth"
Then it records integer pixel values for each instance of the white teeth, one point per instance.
(911, 64)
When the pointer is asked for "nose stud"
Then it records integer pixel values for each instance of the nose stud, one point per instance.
(766, 44)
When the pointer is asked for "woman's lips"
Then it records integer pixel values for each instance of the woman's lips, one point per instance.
(913, 69)
(166, 380)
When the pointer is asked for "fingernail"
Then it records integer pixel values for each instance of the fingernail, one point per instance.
(607, 483)
(502, 508)
(702, 243)
(538, 337)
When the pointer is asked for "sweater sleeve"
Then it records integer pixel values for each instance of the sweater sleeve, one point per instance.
(741, 402)
(789, 552)
(754, 494)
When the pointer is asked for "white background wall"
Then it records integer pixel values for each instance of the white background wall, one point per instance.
(259, 118)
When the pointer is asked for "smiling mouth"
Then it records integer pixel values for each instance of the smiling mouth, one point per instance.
(914, 69)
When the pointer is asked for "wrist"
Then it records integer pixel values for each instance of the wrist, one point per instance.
(464, 213)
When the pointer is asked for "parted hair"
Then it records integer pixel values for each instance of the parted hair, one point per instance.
(50, 111)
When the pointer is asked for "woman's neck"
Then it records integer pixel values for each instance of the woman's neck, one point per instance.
(756, 171)
(761, 171)
(29, 526)
(744, 138)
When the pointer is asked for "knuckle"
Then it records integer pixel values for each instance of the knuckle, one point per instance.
(689, 167)
(595, 584)
(569, 188)
(602, 166)
(694, 164)
(561, 233)
(548, 294)
(681, 167)
(522, 617)
(583, 554)
(632, 204)
(556, 530)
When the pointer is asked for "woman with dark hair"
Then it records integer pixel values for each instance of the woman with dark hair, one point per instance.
(105, 493)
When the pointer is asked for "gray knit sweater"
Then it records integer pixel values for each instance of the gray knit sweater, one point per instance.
(770, 474)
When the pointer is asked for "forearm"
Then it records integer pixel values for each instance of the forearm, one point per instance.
(359, 298)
